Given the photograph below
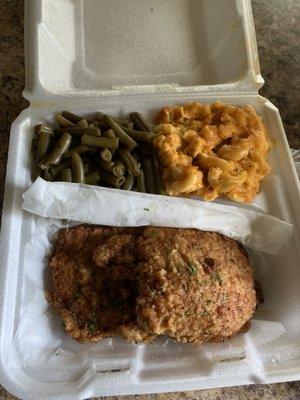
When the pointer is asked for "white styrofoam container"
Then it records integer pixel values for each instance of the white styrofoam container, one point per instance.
(117, 56)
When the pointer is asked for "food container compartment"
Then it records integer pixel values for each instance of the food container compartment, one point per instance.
(97, 47)
(153, 53)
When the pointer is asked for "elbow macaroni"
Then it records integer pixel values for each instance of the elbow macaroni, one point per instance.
(212, 151)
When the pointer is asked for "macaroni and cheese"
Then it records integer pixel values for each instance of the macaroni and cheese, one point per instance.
(212, 151)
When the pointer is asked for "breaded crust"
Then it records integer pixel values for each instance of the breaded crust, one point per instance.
(194, 286)
(92, 284)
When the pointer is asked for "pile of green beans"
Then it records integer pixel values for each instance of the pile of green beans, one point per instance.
(103, 150)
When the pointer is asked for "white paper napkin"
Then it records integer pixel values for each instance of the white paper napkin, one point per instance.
(98, 205)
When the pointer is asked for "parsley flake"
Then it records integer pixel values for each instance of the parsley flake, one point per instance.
(91, 326)
(224, 297)
(217, 278)
(146, 209)
(192, 269)
(154, 235)
(205, 313)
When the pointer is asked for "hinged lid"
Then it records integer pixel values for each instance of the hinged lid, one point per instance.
(105, 47)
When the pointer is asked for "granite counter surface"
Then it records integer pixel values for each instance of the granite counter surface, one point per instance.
(278, 35)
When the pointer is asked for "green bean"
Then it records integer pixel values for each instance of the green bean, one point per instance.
(54, 171)
(77, 168)
(112, 179)
(77, 149)
(149, 176)
(42, 128)
(126, 140)
(73, 117)
(105, 154)
(129, 161)
(66, 175)
(83, 123)
(109, 143)
(140, 136)
(157, 176)
(128, 184)
(43, 145)
(140, 182)
(34, 146)
(121, 121)
(80, 131)
(109, 133)
(139, 121)
(98, 116)
(47, 174)
(55, 156)
(92, 177)
(123, 124)
(107, 165)
(118, 169)
(101, 125)
(95, 147)
(63, 122)
(94, 124)
(130, 125)
(87, 167)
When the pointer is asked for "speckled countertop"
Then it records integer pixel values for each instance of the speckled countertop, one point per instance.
(278, 36)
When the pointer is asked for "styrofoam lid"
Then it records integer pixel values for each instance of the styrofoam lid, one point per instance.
(77, 47)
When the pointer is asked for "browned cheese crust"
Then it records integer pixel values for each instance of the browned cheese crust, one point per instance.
(193, 286)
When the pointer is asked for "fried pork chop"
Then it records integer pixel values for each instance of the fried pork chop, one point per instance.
(93, 284)
(194, 286)
(142, 282)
